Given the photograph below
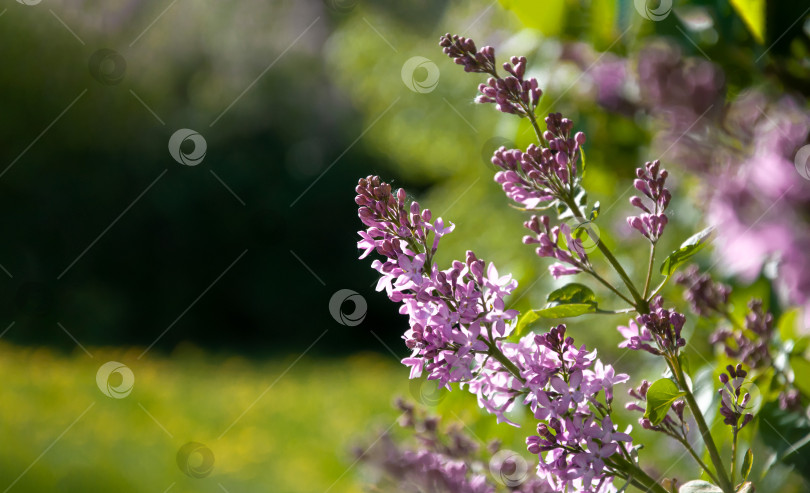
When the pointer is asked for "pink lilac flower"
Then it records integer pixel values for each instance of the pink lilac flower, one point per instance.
(454, 313)
(650, 183)
(541, 174)
(512, 94)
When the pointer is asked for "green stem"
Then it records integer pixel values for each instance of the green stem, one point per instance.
(635, 474)
(698, 459)
(498, 355)
(733, 453)
(649, 270)
(722, 480)
(610, 287)
(640, 303)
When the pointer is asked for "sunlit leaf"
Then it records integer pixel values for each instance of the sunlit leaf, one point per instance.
(688, 248)
(753, 14)
(660, 396)
(748, 462)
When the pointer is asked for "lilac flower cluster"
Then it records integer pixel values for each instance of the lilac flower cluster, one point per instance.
(574, 258)
(443, 463)
(673, 424)
(542, 174)
(464, 52)
(458, 323)
(650, 182)
(455, 313)
(732, 407)
(512, 94)
(741, 148)
(705, 296)
(576, 432)
(754, 352)
(661, 326)
(447, 460)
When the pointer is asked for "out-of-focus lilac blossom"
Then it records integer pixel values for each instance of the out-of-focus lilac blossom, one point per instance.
(650, 182)
(742, 151)
(705, 296)
(753, 345)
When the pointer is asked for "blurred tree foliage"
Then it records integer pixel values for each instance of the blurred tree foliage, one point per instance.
(309, 115)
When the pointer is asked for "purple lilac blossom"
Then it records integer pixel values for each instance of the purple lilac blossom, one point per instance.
(650, 183)
(705, 296)
(741, 150)
(732, 406)
(457, 316)
(660, 325)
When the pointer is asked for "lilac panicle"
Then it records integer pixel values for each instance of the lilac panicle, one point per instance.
(542, 174)
(752, 345)
(705, 296)
(732, 404)
(660, 326)
(564, 382)
(464, 52)
(650, 183)
(458, 321)
(511, 94)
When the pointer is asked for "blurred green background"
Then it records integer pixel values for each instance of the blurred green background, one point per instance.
(213, 283)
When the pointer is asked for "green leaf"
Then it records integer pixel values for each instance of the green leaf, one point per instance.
(571, 300)
(752, 13)
(748, 462)
(572, 293)
(567, 310)
(688, 248)
(660, 396)
(699, 486)
(525, 320)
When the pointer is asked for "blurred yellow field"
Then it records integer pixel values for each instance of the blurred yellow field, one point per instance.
(269, 426)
